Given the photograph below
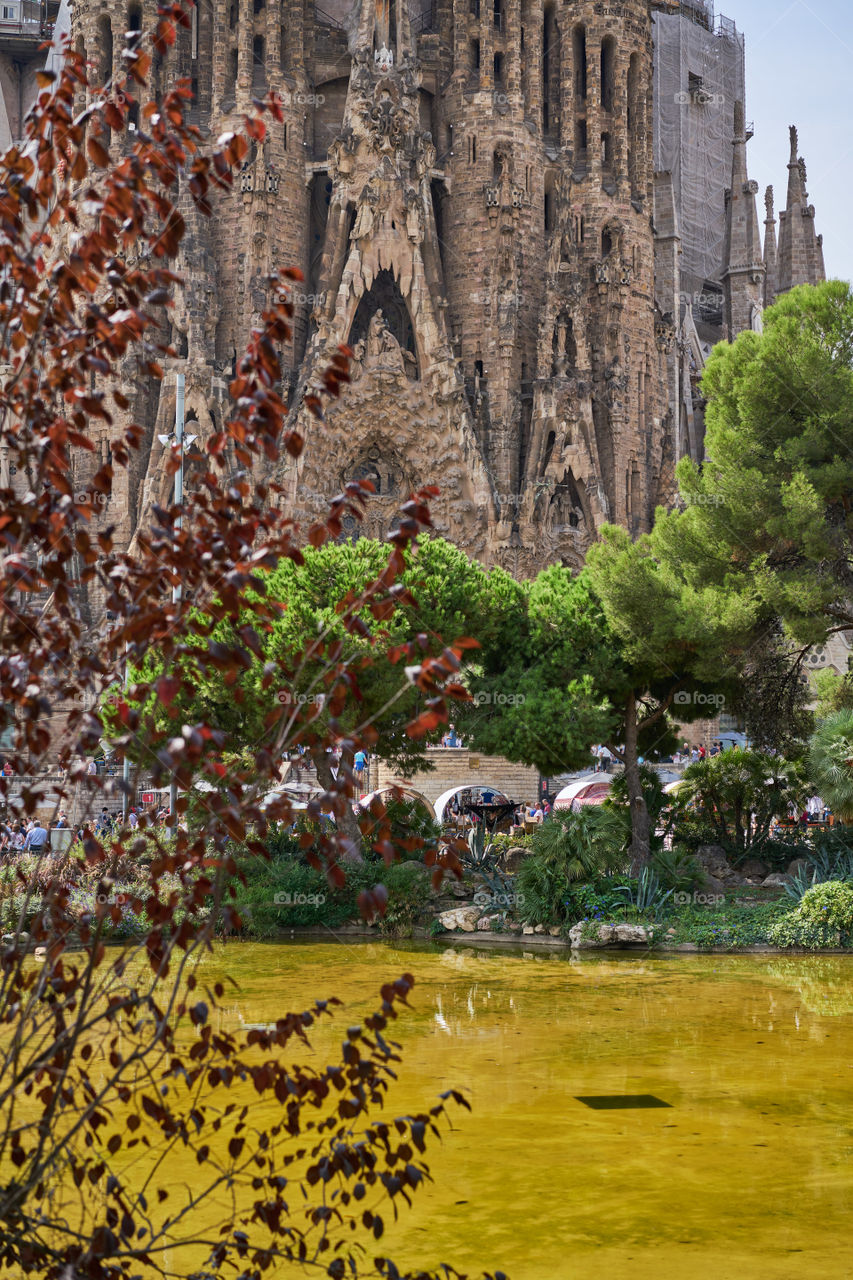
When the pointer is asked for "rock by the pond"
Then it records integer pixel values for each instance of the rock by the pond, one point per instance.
(464, 918)
(514, 858)
(485, 922)
(527, 928)
(712, 858)
(798, 865)
(555, 931)
(540, 928)
(608, 935)
(755, 869)
(776, 881)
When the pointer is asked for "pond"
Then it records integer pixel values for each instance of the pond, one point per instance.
(746, 1173)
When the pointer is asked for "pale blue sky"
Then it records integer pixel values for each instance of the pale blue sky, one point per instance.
(799, 70)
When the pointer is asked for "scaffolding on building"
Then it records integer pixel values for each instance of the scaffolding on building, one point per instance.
(699, 76)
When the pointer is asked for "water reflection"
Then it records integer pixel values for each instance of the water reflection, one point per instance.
(746, 1174)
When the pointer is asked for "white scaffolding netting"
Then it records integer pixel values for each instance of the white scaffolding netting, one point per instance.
(699, 76)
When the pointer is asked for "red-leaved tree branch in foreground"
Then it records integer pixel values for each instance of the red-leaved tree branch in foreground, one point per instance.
(109, 1058)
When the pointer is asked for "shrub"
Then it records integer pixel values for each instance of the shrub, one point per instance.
(824, 918)
(287, 893)
(645, 895)
(830, 903)
(503, 842)
(569, 848)
(676, 869)
(408, 898)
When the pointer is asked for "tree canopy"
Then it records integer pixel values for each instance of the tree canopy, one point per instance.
(768, 513)
(439, 593)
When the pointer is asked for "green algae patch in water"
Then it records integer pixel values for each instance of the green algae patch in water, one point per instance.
(746, 1172)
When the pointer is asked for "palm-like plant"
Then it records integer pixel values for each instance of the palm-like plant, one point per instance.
(568, 849)
(738, 794)
(831, 762)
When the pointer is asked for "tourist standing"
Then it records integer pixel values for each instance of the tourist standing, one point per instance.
(37, 839)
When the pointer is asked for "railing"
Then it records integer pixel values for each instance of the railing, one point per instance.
(328, 19)
(27, 28)
(426, 21)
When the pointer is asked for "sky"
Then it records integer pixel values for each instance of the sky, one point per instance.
(799, 70)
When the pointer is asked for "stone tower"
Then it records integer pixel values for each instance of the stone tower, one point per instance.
(800, 259)
(468, 187)
(494, 273)
(744, 270)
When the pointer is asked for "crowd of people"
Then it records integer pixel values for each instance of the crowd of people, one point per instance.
(36, 835)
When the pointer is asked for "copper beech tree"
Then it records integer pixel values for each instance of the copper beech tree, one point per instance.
(110, 1057)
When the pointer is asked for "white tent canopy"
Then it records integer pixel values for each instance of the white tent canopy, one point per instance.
(591, 789)
(407, 794)
(497, 796)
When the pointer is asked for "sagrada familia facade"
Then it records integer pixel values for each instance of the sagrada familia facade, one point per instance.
(529, 221)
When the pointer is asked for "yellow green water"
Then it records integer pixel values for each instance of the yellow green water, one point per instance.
(748, 1174)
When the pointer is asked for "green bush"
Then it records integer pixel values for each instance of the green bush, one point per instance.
(830, 903)
(408, 897)
(413, 831)
(286, 893)
(502, 843)
(676, 869)
(824, 918)
(600, 901)
(568, 849)
(726, 925)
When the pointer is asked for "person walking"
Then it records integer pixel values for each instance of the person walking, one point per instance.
(359, 765)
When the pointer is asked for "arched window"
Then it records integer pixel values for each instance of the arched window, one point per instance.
(549, 211)
(579, 61)
(105, 50)
(608, 63)
(134, 17)
(259, 63)
(634, 124)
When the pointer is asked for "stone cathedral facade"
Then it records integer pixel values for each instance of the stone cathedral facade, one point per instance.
(469, 189)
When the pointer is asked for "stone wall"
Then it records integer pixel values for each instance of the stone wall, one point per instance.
(458, 767)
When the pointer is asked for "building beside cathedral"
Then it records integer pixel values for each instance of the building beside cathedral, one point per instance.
(530, 221)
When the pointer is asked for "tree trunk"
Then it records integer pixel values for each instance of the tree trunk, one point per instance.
(346, 821)
(640, 835)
